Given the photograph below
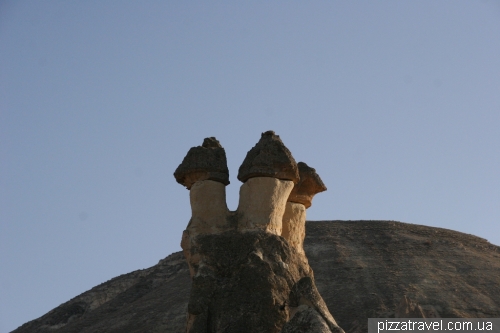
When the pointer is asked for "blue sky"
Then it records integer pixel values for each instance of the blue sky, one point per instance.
(395, 103)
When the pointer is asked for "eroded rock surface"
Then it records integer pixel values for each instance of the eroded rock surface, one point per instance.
(262, 204)
(148, 300)
(408, 309)
(361, 268)
(306, 320)
(249, 273)
(269, 158)
(245, 277)
(244, 283)
(307, 187)
(294, 225)
(207, 161)
(294, 218)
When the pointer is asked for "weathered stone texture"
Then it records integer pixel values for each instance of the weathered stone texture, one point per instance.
(306, 320)
(208, 207)
(249, 272)
(304, 292)
(206, 162)
(243, 273)
(243, 283)
(269, 158)
(361, 268)
(294, 218)
(308, 186)
(294, 225)
(262, 204)
(250, 282)
(408, 309)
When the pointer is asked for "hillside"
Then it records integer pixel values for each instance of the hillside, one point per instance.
(362, 269)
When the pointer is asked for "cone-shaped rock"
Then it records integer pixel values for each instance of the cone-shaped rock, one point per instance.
(269, 158)
(205, 162)
(309, 185)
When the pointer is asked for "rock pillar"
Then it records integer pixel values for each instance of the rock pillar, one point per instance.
(294, 219)
(262, 204)
(205, 174)
(294, 225)
(245, 276)
(269, 173)
(208, 207)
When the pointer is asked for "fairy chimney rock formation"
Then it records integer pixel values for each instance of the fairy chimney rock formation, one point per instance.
(245, 276)
(269, 173)
(204, 172)
(294, 218)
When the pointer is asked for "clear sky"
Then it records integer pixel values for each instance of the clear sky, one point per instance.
(395, 103)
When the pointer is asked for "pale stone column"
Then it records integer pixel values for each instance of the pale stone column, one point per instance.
(208, 207)
(294, 225)
(262, 204)
(269, 173)
(205, 174)
(294, 219)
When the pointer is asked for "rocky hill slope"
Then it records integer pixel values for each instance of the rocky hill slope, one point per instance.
(363, 269)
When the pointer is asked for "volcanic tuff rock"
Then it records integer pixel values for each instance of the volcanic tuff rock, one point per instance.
(294, 217)
(308, 186)
(249, 271)
(410, 309)
(269, 158)
(306, 320)
(207, 161)
(363, 269)
(250, 282)
(245, 277)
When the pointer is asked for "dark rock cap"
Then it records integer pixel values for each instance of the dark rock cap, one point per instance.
(205, 162)
(309, 185)
(269, 158)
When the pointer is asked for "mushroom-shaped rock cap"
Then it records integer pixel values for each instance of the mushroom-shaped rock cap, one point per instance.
(308, 185)
(205, 162)
(269, 158)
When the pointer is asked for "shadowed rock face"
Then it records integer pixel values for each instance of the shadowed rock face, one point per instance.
(269, 158)
(244, 283)
(362, 269)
